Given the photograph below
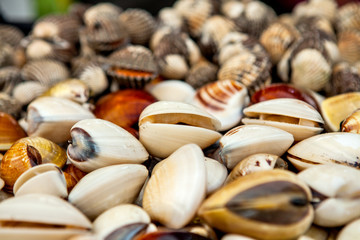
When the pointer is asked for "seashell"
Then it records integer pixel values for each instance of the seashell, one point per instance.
(9, 77)
(216, 175)
(348, 44)
(2, 183)
(72, 175)
(315, 232)
(351, 123)
(47, 72)
(101, 9)
(172, 90)
(277, 200)
(349, 231)
(174, 124)
(107, 187)
(231, 236)
(323, 8)
(10, 131)
(255, 163)
(247, 68)
(158, 34)
(335, 109)
(6, 54)
(201, 73)
(243, 141)
(223, 99)
(348, 17)
(334, 189)
(132, 66)
(289, 114)
(45, 178)
(78, 9)
(52, 118)
(20, 157)
(341, 148)
(172, 234)
(345, 78)
(308, 24)
(27, 91)
(9, 105)
(98, 143)
(139, 23)
(173, 199)
(173, 66)
(171, 18)
(72, 89)
(117, 217)
(277, 39)
(10, 34)
(41, 216)
(123, 107)
(95, 78)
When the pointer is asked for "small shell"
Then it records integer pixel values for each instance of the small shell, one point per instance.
(101, 9)
(73, 89)
(10, 131)
(72, 175)
(95, 78)
(107, 187)
(171, 18)
(348, 17)
(348, 43)
(201, 73)
(216, 174)
(223, 99)
(9, 77)
(322, 8)
(9, 105)
(27, 91)
(172, 90)
(351, 123)
(10, 34)
(139, 23)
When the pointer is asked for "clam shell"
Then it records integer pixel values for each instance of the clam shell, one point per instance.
(224, 100)
(292, 115)
(201, 73)
(348, 17)
(52, 118)
(350, 231)
(10, 131)
(322, 8)
(174, 124)
(27, 91)
(231, 236)
(216, 174)
(172, 90)
(98, 143)
(45, 178)
(95, 78)
(73, 89)
(243, 141)
(92, 14)
(9, 105)
(171, 18)
(341, 148)
(9, 77)
(107, 187)
(139, 23)
(351, 123)
(173, 66)
(348, 43)
(10, 34)
(173, 199)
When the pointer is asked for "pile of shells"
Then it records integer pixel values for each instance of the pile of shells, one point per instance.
(214, 120)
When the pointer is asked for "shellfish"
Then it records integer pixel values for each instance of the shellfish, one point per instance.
(351, 123)
(10, 131)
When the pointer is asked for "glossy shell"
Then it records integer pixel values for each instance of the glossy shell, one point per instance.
(73, 89)
(216, 174)
(94, 77)
(10, 131)
(351, 123)
(172, 90)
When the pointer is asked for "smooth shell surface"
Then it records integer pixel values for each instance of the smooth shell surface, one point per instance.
(10, 131)
(351, 123)
(216, 174)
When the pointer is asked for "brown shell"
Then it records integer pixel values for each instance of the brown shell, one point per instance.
(10, 131)
(139, 23)
(307, 24)
(351, 123)
(9, 77)
(349, 45)
(6, 54)
(132, 66)
(9, 105)
(325, 9)
(10, 34)
(93, 13)
(201, 73)
(72, 175)
(348, 17)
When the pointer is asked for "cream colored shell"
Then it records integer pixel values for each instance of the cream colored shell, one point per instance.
(216, 174)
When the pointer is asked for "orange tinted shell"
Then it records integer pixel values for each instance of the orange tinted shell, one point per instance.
(10, 131)
(72, 176)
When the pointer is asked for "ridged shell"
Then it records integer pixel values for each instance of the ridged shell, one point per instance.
(322, 8)
(98, 143)
(242, 141)
(341, 148)
(172, 199)
(95, 78)
(201, 73)
(101, 9)
(9, 105)
(52, 118)
(10, 131)
(10, 34)
(6, 54)
(172, 90)
(9, 77)
(348, 43)
(27, 91)
(171, 18)
(72, 89)
(139, 23)
(351, 123)
(107, 187)
(348, 17)
(223, 99)
(291, 115)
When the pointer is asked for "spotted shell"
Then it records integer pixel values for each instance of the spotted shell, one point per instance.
(9, 77)
(348, 17)
(201, 73)
(10, 34)
(349, 45)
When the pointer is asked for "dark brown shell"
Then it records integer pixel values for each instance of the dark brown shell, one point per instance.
(348, 17)
(9, 77)
(10, 34)
(202, 73)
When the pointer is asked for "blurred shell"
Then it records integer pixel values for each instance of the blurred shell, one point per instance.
(132, 66)
(172, 90)
(95, 78)
(350, 231)
(172, 199)
(6, 54)
(173, 66)
(323, 8)
(10, 131)
(171, 18)
(107, 187)
(345, 78)
(158, 34)
(216, 174)
(139, 23)
(348, 17)
(72, 175)
(223, 99)
(73, 89)
(27, 91)
(9, 105)
(308, 24)
(232, 236)
(349, 45)
(201, 73)
(9, 78)
(10, 34)
(101, 9)
(351, 123)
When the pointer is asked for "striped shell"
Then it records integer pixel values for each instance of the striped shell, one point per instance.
(92, 14)
(95, 78)
(322, 8)
(349, 45)
(348, 17)
(9, 77)
(10, 34)
(171, 18)
(9, 105)
(25, 92)
(201, 73)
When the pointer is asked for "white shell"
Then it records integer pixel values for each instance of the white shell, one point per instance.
(350, 231)
(174, 66)
(98, 143)
(161, 135)
(2, 183)
(246, 140)
(44, 178)
(107, 187)
(340, 147)
(177, 187)
(304, 119)
(27, 91)
(236, 237)
(95, 78)
(216, 174)
(52, 118)
(172, 90)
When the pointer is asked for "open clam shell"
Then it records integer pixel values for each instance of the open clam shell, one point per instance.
(245, 140)
(40, 216)
(10, 131)
(165, 126)
(294, 116)
(98, 143)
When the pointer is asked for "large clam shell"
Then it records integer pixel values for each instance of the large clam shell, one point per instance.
(224, 100)
(172, 90)
(98, 143)
(40, 216)
(245, 140)
(171, 125)
(172, 197)
(350, 231)
(52, 118)
(107, 187)
(294, 116)
(341, 148)
(10, 131)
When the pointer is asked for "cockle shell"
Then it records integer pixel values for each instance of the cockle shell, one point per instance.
(98, 143)
(289, 114)
(107, 187)
(10, 34)
(338, 147)
(322, 8)
(351, 123)
(223, 99)
(172, 90)
(10, 131)
(172, 199)
(348, 17)
(27, 91)
(101, 9)
(40, 216)
(171, 18)
(9, 77)
(9, 105)
(243, 141)
(95, 78)
(174, 124)
(52, 118)
(348, 43)
(201, 73)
